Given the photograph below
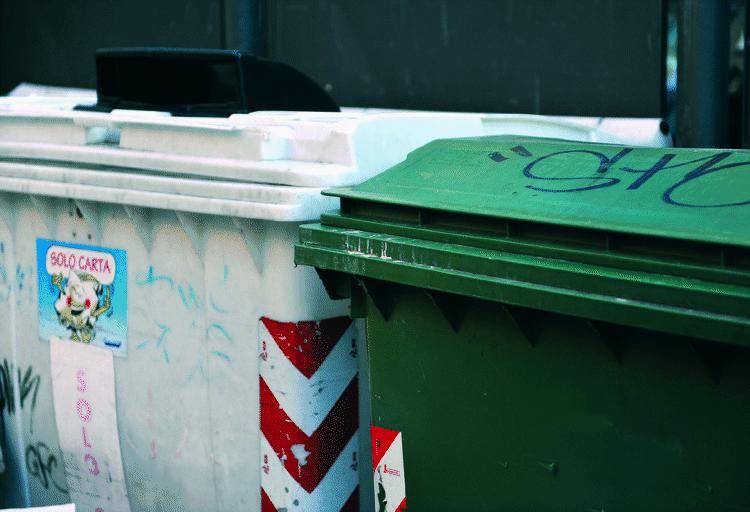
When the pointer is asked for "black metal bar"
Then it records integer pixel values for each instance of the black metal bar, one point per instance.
(702, 73)
(257, 31)
(243, 26)
(746, 82)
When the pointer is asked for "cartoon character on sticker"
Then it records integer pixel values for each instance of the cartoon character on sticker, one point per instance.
(82, 300)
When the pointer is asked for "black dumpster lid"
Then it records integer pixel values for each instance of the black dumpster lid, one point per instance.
(201, 82)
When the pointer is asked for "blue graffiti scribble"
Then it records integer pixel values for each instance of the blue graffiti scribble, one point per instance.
(4, 277)
(24, 292)
(164, 331)
(6, 287)
(190, 299)
(222, 355)
(152, 278)
(220, 328)
(216, 307)
(198, 368)
(212, 302)
(160, 341)
(20, 277)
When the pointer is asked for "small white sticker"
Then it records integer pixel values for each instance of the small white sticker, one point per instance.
(83, 385)
(388, 469)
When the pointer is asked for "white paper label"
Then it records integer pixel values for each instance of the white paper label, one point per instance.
(83, 384)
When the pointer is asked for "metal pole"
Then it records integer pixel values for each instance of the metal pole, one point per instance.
(702, 73)
(746, 82)
(244, 26)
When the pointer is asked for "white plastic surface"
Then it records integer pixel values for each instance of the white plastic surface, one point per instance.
(309, 150)
(207, 211)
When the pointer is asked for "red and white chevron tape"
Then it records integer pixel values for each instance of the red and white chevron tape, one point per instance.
(308, 416)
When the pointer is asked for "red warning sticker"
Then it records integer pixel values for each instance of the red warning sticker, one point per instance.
(388, 470)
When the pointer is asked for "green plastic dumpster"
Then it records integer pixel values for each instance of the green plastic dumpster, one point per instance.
(550, 325)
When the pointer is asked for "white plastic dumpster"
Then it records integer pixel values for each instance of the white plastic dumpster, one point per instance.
(149, 304)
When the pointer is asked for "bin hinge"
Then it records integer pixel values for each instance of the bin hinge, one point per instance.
(141, 219)
(193, 226)
(337, 285)
(452, 307)
(359, 299)
(713, 355)
(254, 234)
(90, 213)
(45, 206)
(9, 211)
(526, 321)
(612, 335)
(382, 295)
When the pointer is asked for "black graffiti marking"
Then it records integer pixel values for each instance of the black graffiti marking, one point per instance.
(605, 163)
(661, 165)
(382, 502)
(520, 150)
(28, 385)
(698, 173)
(703, 167)
(497, 157)
(649, 173)
(40, 463)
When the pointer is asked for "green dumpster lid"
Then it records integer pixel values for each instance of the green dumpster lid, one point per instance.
(652, 238)
(690, 194)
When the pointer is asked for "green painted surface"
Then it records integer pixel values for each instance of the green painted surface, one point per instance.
(690, 194)
(542, 350)
(652, 300)
(689, 267)
(491, 422)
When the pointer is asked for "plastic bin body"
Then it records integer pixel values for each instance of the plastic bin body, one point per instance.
(537, 351)
(185, 391)
(567, 419)
(207, 212)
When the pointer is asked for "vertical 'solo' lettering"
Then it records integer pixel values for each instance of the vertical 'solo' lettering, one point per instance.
(85, 414)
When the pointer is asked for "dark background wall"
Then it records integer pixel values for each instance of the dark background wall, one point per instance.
(53, 41)
(582, 57)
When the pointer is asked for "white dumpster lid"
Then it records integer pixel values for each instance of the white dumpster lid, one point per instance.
(264, 164)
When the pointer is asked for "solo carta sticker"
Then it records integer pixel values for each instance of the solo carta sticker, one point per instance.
(83, 294)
